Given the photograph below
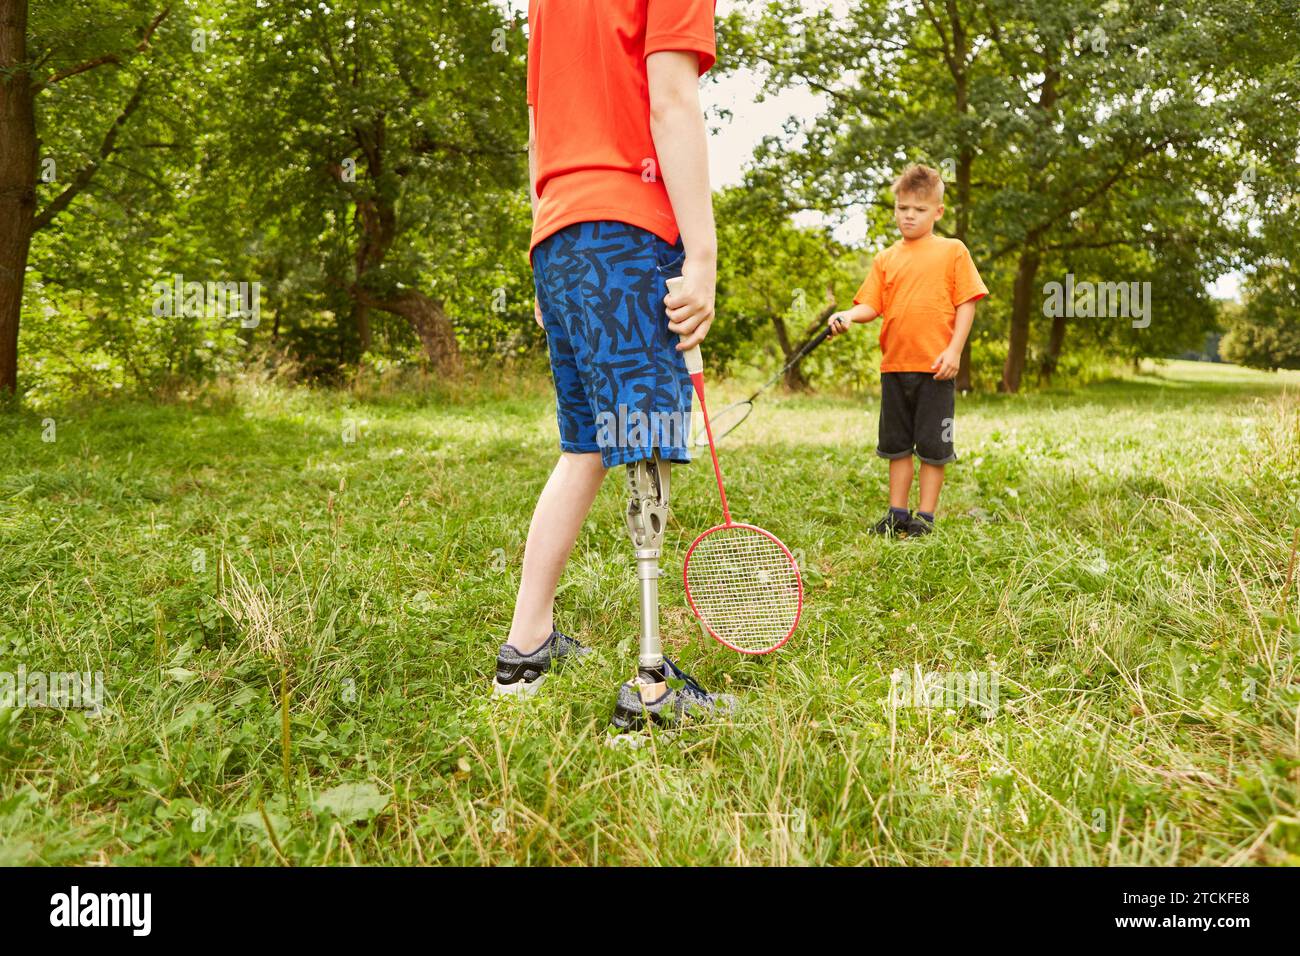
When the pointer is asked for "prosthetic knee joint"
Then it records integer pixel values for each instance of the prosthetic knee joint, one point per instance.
(647, 516)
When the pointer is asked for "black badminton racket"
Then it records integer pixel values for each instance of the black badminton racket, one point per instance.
(730, 418)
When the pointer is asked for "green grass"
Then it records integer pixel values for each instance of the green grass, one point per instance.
(1117, 555)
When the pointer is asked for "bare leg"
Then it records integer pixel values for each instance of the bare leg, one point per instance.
(900, 481)
(931, 482)
(557, 519)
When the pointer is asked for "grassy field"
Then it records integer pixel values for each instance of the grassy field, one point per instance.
(295, 599)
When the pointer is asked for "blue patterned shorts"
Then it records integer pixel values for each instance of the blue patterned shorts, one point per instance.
(621, 386)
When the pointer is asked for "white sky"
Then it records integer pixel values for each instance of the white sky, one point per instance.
(732, 148)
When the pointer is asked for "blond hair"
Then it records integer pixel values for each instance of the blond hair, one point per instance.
(918, 180)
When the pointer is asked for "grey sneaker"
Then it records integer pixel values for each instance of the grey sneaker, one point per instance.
(522, 674)
(684, 698)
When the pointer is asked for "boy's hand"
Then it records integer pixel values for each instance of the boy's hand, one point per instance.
(948, 362)
(839, 323)
(537, 314)
(690, 307)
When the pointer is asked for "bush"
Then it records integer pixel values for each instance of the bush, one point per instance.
(1265, 333)
(1257, 345)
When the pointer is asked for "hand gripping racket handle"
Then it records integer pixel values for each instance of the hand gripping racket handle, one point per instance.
(695, 366)
(694, 360)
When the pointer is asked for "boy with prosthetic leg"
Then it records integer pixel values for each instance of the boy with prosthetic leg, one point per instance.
(606, 238)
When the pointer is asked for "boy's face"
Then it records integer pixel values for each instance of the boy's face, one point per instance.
(916, 214)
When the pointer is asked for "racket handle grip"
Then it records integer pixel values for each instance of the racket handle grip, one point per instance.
(694, 361)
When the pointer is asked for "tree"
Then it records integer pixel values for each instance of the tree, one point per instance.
(1135, 138)
(1065, 128)
(378, 142)
(1265, 332)
(73, 45)
(772, 275)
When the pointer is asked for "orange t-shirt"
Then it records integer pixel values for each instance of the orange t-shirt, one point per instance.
(917, 287)
(591, 107)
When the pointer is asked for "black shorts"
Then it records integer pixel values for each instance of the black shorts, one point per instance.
(916, 417)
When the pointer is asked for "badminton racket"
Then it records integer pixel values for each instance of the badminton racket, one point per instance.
(741, 581)
(729, 419)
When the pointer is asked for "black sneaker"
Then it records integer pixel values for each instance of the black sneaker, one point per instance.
(522, 674)
(891, 524)
(918, 525)
(686, 699)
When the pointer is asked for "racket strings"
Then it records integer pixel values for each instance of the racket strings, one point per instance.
(725, 422)
(744, 586)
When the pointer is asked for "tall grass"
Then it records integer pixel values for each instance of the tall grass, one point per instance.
(295, 598)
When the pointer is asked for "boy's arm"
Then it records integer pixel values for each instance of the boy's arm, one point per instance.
(839, 322)
(862, 310)
(681, 142)
(532, 162)
(532, 193)
(949, 360)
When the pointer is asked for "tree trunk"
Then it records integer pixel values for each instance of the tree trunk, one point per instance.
(1018, 344)
(964, 163)
(965, 160)
(1054, 344)
(794, 379)
(437, 336)
(17, 180)
(361, 316)
(377, 215)
(1030, 256)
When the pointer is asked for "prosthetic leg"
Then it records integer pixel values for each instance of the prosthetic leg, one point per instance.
(647, 516)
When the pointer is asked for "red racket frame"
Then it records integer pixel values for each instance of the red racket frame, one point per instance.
(697, 380)
(798, 576)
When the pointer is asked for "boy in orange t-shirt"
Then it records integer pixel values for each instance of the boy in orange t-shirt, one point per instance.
(926, 287)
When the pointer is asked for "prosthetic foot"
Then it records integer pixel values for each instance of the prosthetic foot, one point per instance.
(649, 696)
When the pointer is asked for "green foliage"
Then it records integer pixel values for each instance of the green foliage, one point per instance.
(79, 345)
(1265, 332)
(381, 147)
(232, 168)
(1266, 341)
(88, 323)
(345, 155)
